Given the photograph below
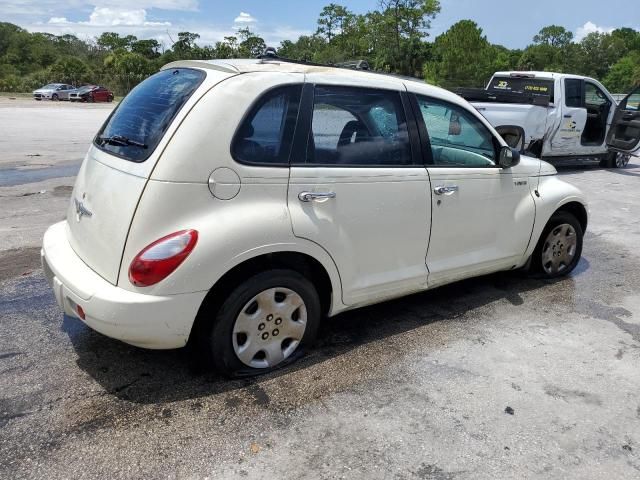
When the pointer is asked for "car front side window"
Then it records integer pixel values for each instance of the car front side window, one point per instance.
(458, 138)
(358, 127)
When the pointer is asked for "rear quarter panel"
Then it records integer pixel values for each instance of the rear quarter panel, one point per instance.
(254, 222)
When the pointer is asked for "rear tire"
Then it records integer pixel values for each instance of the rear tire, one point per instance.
(559, 248)
(264, 324)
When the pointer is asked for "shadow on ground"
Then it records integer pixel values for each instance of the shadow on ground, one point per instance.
(157, 377)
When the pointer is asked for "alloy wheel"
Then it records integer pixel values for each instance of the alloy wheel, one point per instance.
(622, 160)
(269, 328)
(559, 249)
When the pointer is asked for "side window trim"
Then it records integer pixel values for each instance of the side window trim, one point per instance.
(412, 128)
(426, 145)
(252, 110)
(303, 127)
(305, 121)
(425, 142)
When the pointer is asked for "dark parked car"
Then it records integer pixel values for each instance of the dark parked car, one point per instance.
(91, 93)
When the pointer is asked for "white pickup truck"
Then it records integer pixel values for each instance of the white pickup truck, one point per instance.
(560, 118)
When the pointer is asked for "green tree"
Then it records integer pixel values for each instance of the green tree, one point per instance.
(624, 74)
(250, 45)
(462, 57)
(112, 41)
(554, 36)
(147, 48)
(70, 70)
(186, 46)
(402, 25)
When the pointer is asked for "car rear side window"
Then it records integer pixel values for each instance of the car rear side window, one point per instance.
(358, 127)
(266, 134)
(137, 125)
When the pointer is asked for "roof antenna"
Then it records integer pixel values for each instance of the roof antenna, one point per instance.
(269, 52)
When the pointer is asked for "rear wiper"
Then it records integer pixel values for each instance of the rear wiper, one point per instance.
(121, 141)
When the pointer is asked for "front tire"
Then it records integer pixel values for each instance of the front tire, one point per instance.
(264, 324)
(560, 246)
(55, 97)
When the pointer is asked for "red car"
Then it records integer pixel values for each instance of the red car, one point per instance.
(91, 93)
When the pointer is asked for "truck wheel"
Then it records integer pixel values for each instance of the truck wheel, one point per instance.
(559, 248)
(262, 325)
(616, 160)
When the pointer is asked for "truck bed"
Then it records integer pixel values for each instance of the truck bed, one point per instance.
(486, 96)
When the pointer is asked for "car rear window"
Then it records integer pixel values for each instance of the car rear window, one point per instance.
(522, 85)
(137, 125)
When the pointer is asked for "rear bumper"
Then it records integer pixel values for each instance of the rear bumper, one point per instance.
(148, 321)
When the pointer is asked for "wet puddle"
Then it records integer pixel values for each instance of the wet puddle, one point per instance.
(10, 177)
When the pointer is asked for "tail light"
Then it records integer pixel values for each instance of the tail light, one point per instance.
(159, 259)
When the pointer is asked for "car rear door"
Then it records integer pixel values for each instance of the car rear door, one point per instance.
(358, 186)
(624, 133)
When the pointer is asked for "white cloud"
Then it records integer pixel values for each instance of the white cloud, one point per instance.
(23, 11)
(244, 17)
(126, 20)
(588, 28)
(58, 20)
(113, 17)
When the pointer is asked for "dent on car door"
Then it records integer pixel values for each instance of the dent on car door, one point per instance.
(624, 133)
(358, 189)
(482, 214)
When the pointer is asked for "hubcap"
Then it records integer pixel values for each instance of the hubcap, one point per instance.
(269, 327)
(622, 160)
(559, 249)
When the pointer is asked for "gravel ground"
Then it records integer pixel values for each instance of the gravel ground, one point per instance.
(497, 377)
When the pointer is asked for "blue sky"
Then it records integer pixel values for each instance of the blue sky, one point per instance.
(512, 23)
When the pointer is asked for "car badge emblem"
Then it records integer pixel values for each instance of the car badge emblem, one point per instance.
(81, 210)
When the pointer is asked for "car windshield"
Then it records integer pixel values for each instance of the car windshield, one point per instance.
(139, 122)
(86, 88)
(51, 85)
(522, 85)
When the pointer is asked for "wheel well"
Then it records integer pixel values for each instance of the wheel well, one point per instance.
(578, 211)
(299, 262)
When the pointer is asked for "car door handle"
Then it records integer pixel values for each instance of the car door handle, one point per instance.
(445, 189)
(628, 116)
(568, 116)
(308, 196)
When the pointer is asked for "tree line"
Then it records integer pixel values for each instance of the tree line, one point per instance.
(393, 38)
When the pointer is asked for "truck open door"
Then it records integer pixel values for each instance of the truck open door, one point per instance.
(624, 133)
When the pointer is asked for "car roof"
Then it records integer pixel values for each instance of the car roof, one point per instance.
(319, 73)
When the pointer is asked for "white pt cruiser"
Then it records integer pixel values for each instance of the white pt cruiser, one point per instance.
(234, 204)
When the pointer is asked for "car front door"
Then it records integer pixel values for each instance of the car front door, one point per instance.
(482, 214)
(624, 133)
(359, 189)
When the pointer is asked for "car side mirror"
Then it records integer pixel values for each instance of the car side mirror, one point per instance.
(509, 157)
